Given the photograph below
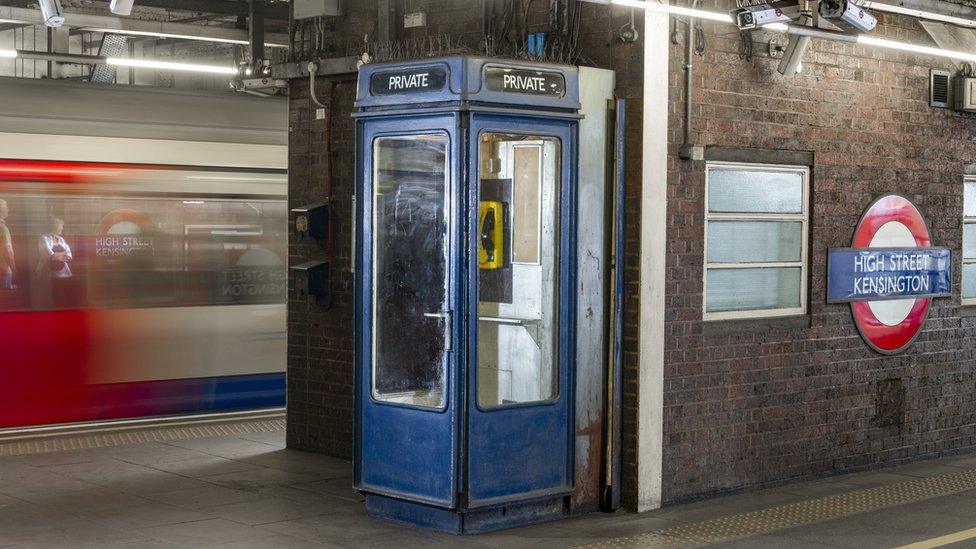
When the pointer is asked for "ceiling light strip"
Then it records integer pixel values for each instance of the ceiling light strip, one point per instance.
(794, 29)
(921, 14)
(153, 34)
(119, 61)
(169, 66)
(668, 8)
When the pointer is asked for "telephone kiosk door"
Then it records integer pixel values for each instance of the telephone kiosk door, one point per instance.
(520, 389)
(407, 432)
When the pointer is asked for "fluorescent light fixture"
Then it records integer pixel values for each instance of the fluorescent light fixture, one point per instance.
(902, 10)
(674, 10)
(880, 42)
(915, 48)
(198, 38)
(8, 53)
(782, 27)
(169, 66)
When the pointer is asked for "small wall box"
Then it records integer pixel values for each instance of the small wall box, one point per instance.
(313, 220)
(305, 9)
(965, 94)
(312, 278)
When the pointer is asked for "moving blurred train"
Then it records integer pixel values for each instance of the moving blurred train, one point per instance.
(148, 235)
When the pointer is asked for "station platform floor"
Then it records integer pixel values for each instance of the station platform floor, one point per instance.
(236, 486)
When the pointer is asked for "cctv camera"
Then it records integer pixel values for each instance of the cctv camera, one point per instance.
(754, 16)
(52, 12)
(848, 15)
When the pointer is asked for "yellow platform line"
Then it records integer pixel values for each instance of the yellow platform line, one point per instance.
(811, 511)
(942, 541)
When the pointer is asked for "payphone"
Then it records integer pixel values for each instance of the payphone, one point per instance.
(469, 287)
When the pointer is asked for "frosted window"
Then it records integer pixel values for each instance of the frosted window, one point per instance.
(731, 190)
(969, 240)
(969, 280)
(754, 241)
(747, 289)
(969, 204)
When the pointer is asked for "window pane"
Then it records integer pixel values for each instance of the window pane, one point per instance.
(737, 190)
(969, 240)
(969, 200)
(969, 280)
(518, 269)
(110, 251)
(754, 241)
(410, 257)
(745, 289)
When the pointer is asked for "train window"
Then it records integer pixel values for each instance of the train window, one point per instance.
(130, 252)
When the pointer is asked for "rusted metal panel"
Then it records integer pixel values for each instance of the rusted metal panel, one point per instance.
(596, 89)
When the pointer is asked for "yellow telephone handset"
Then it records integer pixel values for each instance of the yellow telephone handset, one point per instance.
(491, 247)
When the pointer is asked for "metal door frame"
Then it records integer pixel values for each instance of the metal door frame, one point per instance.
(397, 485)
(565, 129)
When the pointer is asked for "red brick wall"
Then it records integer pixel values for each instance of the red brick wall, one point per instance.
(749, 404)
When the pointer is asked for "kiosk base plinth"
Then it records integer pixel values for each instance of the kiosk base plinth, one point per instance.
(474, 521)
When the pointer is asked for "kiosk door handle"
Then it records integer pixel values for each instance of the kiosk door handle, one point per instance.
(445, 316)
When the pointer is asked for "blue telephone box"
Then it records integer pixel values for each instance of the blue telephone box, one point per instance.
(466, 300)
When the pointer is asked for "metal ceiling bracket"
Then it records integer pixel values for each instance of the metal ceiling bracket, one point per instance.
(323, 67)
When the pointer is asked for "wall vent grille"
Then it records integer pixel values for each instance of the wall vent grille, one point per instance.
(939, 88)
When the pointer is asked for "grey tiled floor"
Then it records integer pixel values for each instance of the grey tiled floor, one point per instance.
(248, 491)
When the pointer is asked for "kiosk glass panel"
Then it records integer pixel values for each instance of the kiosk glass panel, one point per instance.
(410, 256)
(518, 244)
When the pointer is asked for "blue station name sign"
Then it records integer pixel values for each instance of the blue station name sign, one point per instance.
(870, 274)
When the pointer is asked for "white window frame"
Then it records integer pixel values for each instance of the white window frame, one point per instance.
(803, 217)
(966, 220)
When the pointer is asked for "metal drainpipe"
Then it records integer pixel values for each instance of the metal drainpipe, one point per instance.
(688, 148)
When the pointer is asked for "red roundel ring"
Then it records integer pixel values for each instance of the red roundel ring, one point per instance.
(897, 212)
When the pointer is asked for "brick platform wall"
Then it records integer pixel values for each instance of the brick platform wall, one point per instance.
(748, 404)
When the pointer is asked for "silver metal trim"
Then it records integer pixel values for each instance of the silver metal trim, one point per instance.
(22, 433)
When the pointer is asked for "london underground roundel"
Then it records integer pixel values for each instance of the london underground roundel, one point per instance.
(890, 273)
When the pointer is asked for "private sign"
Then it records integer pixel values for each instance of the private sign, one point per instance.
(890, 274)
